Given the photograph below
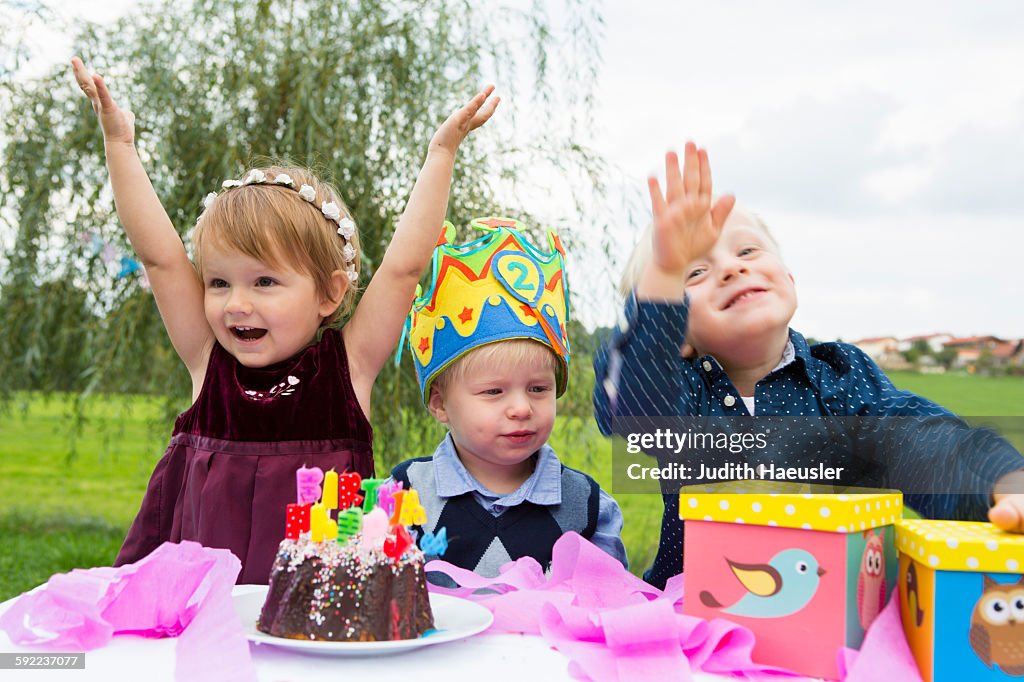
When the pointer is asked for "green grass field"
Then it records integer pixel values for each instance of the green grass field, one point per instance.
(967, 395)
(60, 512)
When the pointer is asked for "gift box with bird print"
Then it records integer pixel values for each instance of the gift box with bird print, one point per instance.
(794, 567)
(962, 599)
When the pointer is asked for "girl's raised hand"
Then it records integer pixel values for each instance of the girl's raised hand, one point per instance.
(118, 124)
(470, 117)
(686, 225)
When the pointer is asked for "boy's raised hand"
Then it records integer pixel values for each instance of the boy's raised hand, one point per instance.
(474, 114)
(686, 225)
(118, 124)
(1008, 511)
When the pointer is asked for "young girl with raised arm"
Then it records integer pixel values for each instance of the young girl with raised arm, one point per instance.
(275, 384)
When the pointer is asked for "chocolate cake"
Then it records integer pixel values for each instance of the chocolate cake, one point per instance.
(342, 592)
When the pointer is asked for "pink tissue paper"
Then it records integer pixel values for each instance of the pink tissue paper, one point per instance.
(885, 654)
(614, 626)
(179, 590)
(608, 622)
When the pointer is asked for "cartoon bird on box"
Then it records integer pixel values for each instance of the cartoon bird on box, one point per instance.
(871, 580)
(997, 626)
(783, 586)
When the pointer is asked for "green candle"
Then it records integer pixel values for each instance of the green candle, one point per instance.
(369, 488)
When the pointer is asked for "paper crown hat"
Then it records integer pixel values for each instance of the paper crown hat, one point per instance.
(495, 288)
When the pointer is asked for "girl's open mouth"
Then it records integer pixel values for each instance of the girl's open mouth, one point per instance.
(248, 333)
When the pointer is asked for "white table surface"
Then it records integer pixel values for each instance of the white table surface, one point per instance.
(482, 658)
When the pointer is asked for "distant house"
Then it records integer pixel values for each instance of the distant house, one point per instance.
(1009, 354)
(966, 357)
(878, 346)
(936, 342)
(885, 351)
(979, 342)
(972, 352)
(970, 349)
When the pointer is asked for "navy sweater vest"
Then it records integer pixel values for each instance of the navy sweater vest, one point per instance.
(481, 542)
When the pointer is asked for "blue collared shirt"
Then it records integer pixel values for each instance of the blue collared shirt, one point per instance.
(640, 372)
(543, 487)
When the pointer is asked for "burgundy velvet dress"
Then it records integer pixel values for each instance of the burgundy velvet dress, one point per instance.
(229, 471)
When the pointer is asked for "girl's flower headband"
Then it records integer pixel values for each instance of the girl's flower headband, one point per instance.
(330, 210)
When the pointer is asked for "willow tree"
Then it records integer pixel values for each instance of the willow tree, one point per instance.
(352, 89)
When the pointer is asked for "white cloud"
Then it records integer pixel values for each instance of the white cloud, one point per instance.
(870, 276)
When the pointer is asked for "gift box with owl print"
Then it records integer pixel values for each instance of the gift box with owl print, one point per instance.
(962, 599)
(794, 567)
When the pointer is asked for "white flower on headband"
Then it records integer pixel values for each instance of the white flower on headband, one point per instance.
(352, 276)
(346, 228)
(331, 210)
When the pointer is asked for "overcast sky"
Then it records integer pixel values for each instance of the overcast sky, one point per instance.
(883, 143)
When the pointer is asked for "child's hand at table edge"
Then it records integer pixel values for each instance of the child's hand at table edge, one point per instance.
(1008, 511)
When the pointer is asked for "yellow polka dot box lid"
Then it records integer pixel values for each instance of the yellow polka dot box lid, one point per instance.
(960, 545)
(811, 507)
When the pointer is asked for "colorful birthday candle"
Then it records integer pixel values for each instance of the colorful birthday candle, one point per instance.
(350, 522)
(369, 487)
(296, 520)
(317, 522)
(307, 484)
(396, 544)
(375, 528)
(386, 496)
(412, 512)
(348, 490)
(330, 498)
(435, 544)
(396, 514)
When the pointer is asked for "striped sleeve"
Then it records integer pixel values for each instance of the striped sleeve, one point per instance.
(639, 371)
(925, 447)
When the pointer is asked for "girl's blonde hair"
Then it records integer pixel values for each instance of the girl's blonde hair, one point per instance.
(273, 224)
(500, 354)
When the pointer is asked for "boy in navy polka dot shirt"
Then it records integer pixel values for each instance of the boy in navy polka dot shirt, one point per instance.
(715, 284)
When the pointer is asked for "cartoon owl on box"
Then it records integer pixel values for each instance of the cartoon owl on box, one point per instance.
(997, 626)
(871, 580)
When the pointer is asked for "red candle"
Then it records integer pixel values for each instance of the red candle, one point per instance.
(296, 520)
(395, 545)
(348, 490)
